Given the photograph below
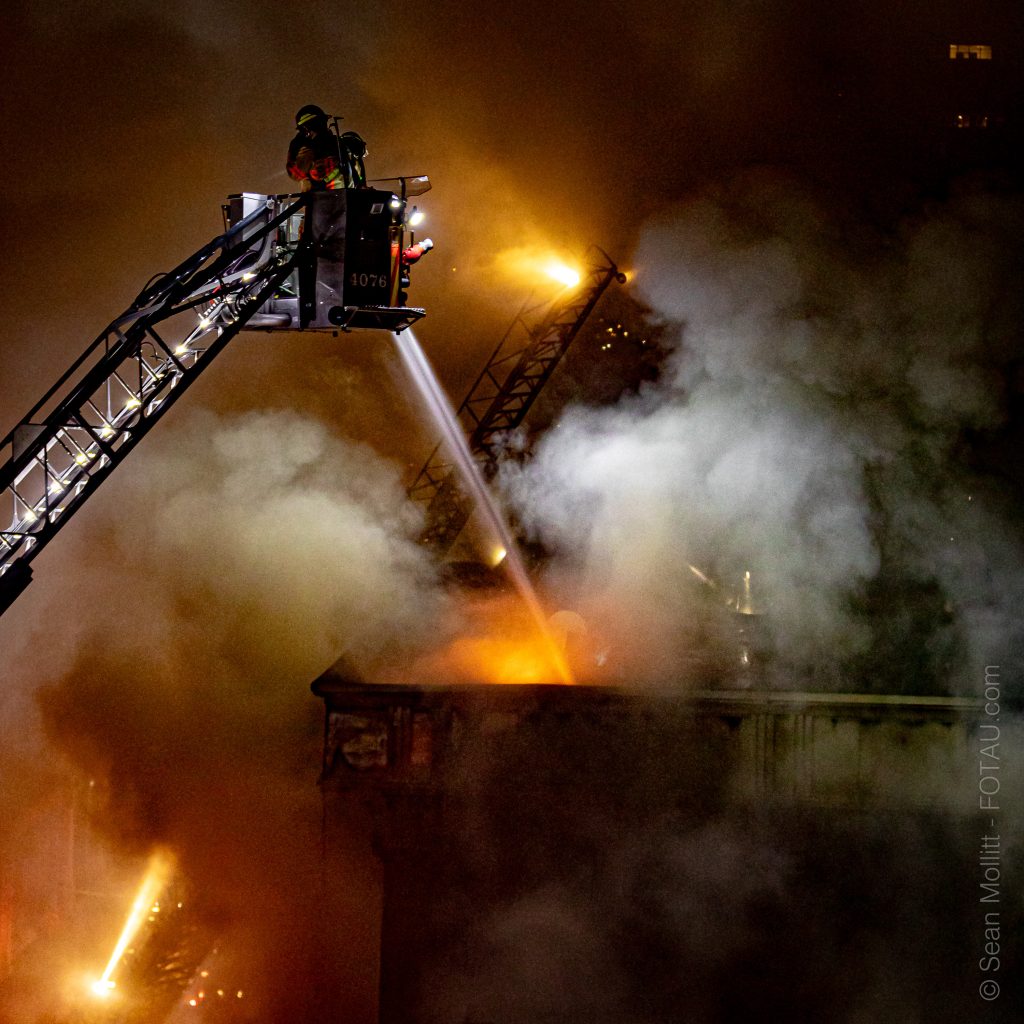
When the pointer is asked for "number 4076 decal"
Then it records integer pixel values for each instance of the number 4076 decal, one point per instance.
(368, 280)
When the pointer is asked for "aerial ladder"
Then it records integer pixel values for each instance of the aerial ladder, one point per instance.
(500, 398)
(323, 261)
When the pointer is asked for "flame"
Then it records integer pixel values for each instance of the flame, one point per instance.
(504, 660)
(500, 643)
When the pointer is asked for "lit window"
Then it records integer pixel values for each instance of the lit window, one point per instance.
(978, 52)
(977, 120)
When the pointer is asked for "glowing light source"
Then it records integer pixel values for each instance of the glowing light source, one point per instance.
(157, 875)
(133, 403)
(506, 660)
(701, 576)
(562, 273)
(744, 602)
(102, 987)
(416, 218)
(532, 263)
(498, 555)
(181, 350)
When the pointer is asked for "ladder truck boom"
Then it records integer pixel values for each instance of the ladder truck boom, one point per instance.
(501, 397)
(323, 261)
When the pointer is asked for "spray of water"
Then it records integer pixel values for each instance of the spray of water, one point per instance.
(443, 416)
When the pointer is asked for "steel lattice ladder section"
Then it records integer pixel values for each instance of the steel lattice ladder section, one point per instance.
(499, 400)
(114, 393)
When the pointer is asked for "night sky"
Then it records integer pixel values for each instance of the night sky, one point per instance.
(839, 272)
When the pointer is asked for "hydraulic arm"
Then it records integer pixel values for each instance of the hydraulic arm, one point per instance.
(325, 261)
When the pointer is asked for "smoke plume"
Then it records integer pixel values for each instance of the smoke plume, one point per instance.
(813, 428)
(241, 558)
(828, 421)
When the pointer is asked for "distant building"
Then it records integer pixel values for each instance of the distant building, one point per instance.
(976, 116)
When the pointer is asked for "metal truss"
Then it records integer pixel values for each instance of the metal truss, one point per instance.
(500, 398)
(90, 420)
(164, 958)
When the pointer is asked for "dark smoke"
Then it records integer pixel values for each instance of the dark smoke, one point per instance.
(613, 865)
(262, 546)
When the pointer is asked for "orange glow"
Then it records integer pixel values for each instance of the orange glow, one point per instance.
(534, 264)
(504, 660)
(157, 875)
(562, 273)
(500, 644)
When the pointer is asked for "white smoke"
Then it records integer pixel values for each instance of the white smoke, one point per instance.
(303, 540)
(806, 429)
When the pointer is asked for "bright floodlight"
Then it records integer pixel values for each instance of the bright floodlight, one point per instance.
(562, 274)
(157, 875)
(102, 987)
(416, 218)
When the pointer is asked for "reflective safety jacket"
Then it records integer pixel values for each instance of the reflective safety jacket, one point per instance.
(326, 160)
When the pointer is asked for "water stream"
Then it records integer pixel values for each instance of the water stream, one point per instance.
(443, 416)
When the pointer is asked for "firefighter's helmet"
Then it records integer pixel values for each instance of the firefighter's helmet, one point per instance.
(309, 115)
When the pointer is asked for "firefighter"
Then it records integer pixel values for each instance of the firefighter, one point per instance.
(320, 158)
